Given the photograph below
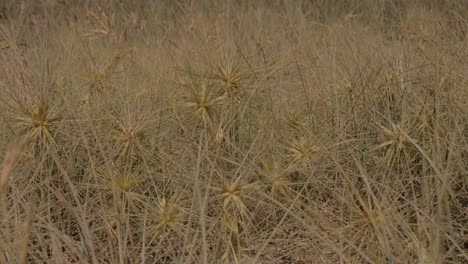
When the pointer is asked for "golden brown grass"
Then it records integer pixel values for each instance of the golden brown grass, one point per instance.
(234, 131)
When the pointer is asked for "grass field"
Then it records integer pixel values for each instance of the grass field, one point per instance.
(321, 131)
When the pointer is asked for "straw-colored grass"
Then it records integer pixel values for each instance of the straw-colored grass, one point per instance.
(234, 131)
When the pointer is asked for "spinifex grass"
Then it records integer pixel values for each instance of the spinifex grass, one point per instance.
(275, 176)
(99, 77)
(168, 216)
(312, 132)
(37, 123)
(202, 102)
(302, 151)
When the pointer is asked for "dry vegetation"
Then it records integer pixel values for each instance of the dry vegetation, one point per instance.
(234, 131)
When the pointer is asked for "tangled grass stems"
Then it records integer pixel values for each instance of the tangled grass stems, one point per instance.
(233, 132)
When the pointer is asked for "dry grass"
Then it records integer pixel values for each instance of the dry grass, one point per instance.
(234, 131)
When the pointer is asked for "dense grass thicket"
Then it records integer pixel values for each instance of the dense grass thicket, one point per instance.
(235, 131)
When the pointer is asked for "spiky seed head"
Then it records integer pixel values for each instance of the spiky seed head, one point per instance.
(397, 144)
(234, 194)
(167, 216)
(275, 176)
(127, 181)
(228, 74)
(302, 151)
(202, 102)
(127, 136)
(38, 123)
